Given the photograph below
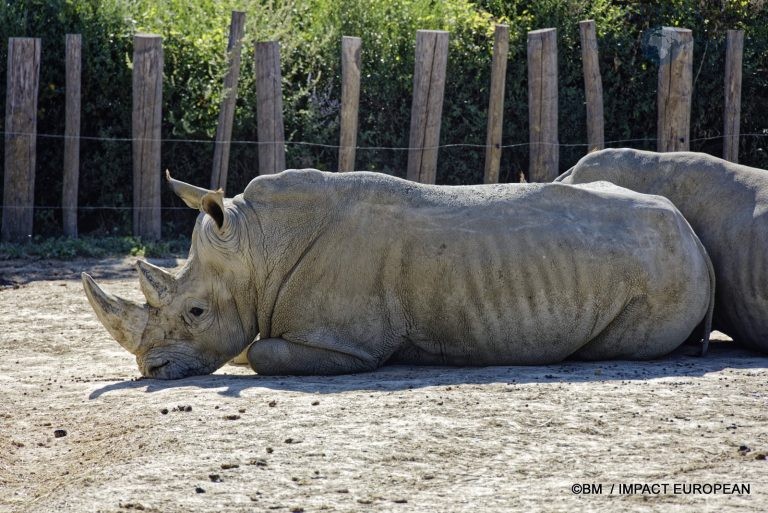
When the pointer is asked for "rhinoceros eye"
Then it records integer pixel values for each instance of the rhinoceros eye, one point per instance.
(196, 311)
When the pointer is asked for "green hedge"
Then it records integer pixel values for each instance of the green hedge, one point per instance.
(194, 38)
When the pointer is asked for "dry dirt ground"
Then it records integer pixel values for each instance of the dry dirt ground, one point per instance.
(79, 432)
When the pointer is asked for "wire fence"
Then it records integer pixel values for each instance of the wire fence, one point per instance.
(608, 143)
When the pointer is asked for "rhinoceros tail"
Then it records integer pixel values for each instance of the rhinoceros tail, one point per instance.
(706, 324)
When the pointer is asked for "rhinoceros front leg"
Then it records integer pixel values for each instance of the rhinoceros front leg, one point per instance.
(277, 356)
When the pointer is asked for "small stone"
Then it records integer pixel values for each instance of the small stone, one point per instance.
(315, 403)
(228, 466)
(272, 404)
(342, 490)
(744, 449)
(241, 410)
(133, 505)
(270, 450)
(215, 478)
(59, 433)
(199, 490)
(164, 411)
(231, 417)
(761, 456)
(400, 501)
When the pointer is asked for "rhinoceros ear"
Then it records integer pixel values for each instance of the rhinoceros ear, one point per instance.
(213, 205)
(189, 194)
(205, 200)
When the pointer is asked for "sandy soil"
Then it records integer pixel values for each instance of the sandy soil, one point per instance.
(79, 432)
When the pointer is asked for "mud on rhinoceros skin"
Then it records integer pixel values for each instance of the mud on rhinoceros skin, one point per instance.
(342, 273)
(727, 206)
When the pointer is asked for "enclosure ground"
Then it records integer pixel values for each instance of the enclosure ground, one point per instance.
(79, 432)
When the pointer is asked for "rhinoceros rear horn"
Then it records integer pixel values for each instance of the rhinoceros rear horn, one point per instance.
(205, 200)
(158, 285)
(124, 320)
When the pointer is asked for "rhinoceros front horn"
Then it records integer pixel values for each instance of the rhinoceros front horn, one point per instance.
(124, 320)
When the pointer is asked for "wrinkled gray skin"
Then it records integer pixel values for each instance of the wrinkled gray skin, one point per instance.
(727, 206)
(342, 273)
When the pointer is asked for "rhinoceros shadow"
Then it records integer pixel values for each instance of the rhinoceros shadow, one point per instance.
(680, 364)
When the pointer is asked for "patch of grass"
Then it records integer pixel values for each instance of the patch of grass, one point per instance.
(63, 248)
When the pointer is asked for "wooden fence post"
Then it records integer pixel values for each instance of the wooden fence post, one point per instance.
(733, 56)
(496, 104)
(593, 86)
(542, 105)
(350, 99)
(20, 138)
(71, 135)
(269, 108)
(427, 107)
(146, 121)
(227, 113)
(675, 86)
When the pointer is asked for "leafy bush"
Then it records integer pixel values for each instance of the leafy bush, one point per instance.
(194, 39)
(63, 248)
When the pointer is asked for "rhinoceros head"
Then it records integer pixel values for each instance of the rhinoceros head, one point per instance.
(192, 322)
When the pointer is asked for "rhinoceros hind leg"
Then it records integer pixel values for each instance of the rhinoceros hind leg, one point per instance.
(632, 336)
(280, 357)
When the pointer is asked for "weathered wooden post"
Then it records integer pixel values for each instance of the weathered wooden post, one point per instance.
(269, 108)
(227, 113)
(733, 57)
(146, 121)
(71, 135)
(496, 104)
(593, 86)
(20, 138)
(542, 105)
(350, 99)
(675, 87)
(427, 107)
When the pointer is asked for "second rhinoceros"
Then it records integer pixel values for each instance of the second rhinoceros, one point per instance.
(727, 206)
(341, 273)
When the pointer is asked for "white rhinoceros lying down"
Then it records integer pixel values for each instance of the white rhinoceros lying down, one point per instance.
(342, 273)
(727, 206)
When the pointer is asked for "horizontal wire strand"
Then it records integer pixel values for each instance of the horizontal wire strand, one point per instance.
(362, 148)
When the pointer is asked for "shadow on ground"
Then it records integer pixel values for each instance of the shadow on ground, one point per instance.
(721, 355)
